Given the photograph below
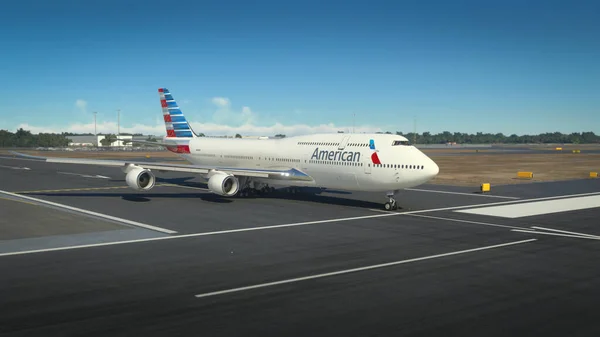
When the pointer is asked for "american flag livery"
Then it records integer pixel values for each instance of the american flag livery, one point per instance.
(175, 122)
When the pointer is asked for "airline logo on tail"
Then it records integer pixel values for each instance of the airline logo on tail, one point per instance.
(175, 122)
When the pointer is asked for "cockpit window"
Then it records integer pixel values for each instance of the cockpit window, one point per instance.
(400, 142)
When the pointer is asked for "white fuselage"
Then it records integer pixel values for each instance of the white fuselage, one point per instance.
(339, 161)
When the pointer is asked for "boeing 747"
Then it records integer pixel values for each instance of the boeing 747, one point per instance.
(236, 167)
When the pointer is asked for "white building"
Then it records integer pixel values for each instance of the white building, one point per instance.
(77, 141)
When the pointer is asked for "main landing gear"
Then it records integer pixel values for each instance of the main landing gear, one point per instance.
(391, 205)
(251, 188)
(264, 190)
(246, 192)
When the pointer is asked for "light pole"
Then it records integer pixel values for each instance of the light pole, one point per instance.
(415, 132)
(95, 132)
(118, 122)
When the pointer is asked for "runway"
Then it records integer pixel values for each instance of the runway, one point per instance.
(80, 253)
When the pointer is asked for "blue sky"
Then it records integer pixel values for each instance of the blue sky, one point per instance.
(263, 67)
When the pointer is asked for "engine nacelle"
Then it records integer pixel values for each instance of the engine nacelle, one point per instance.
(223, 184)
(140, 179)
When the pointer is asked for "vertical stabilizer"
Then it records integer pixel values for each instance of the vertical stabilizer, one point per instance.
(175, 122)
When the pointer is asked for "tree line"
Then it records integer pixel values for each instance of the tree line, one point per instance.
(500, 138)
(24, 138)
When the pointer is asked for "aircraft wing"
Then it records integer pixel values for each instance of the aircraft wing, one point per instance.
(278, 174)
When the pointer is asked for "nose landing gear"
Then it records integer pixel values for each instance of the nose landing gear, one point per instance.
(391, 205)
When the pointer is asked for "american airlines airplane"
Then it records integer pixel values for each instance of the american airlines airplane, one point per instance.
(351, 162)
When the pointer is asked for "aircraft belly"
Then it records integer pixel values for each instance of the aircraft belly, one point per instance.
(347, 180)
(339, 180)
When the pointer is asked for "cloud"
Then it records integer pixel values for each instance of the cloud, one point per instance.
(248, 117)
(221, 102)
(81, 105)
(226, 121)
(104, 127)
(209, 129)
(226, 115)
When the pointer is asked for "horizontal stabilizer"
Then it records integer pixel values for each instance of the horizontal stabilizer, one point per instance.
(147, 142)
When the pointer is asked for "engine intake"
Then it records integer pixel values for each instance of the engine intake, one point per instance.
(140, 179)
(223, 184)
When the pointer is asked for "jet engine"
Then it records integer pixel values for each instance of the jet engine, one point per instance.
(223, 184)
(140, 179)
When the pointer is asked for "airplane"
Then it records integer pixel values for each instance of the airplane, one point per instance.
(242, 166)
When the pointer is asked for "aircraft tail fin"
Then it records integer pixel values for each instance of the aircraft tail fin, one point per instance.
(175, 122)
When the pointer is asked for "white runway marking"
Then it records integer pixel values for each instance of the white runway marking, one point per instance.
(556, 234)
(16, 167)
(562, 231)
(467, 221)
(462, 193)
(385, 214)
(537, 208)
(84, 175)
(354, 270)
(84, 211)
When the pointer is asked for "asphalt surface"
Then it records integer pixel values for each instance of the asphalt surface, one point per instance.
(448, 279)
(481, 152)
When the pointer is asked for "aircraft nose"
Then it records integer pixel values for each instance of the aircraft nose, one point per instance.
(434, 169)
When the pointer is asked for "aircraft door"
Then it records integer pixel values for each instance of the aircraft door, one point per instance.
(367, 167)
(343, 143)
(220, 157)
(305, 160)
